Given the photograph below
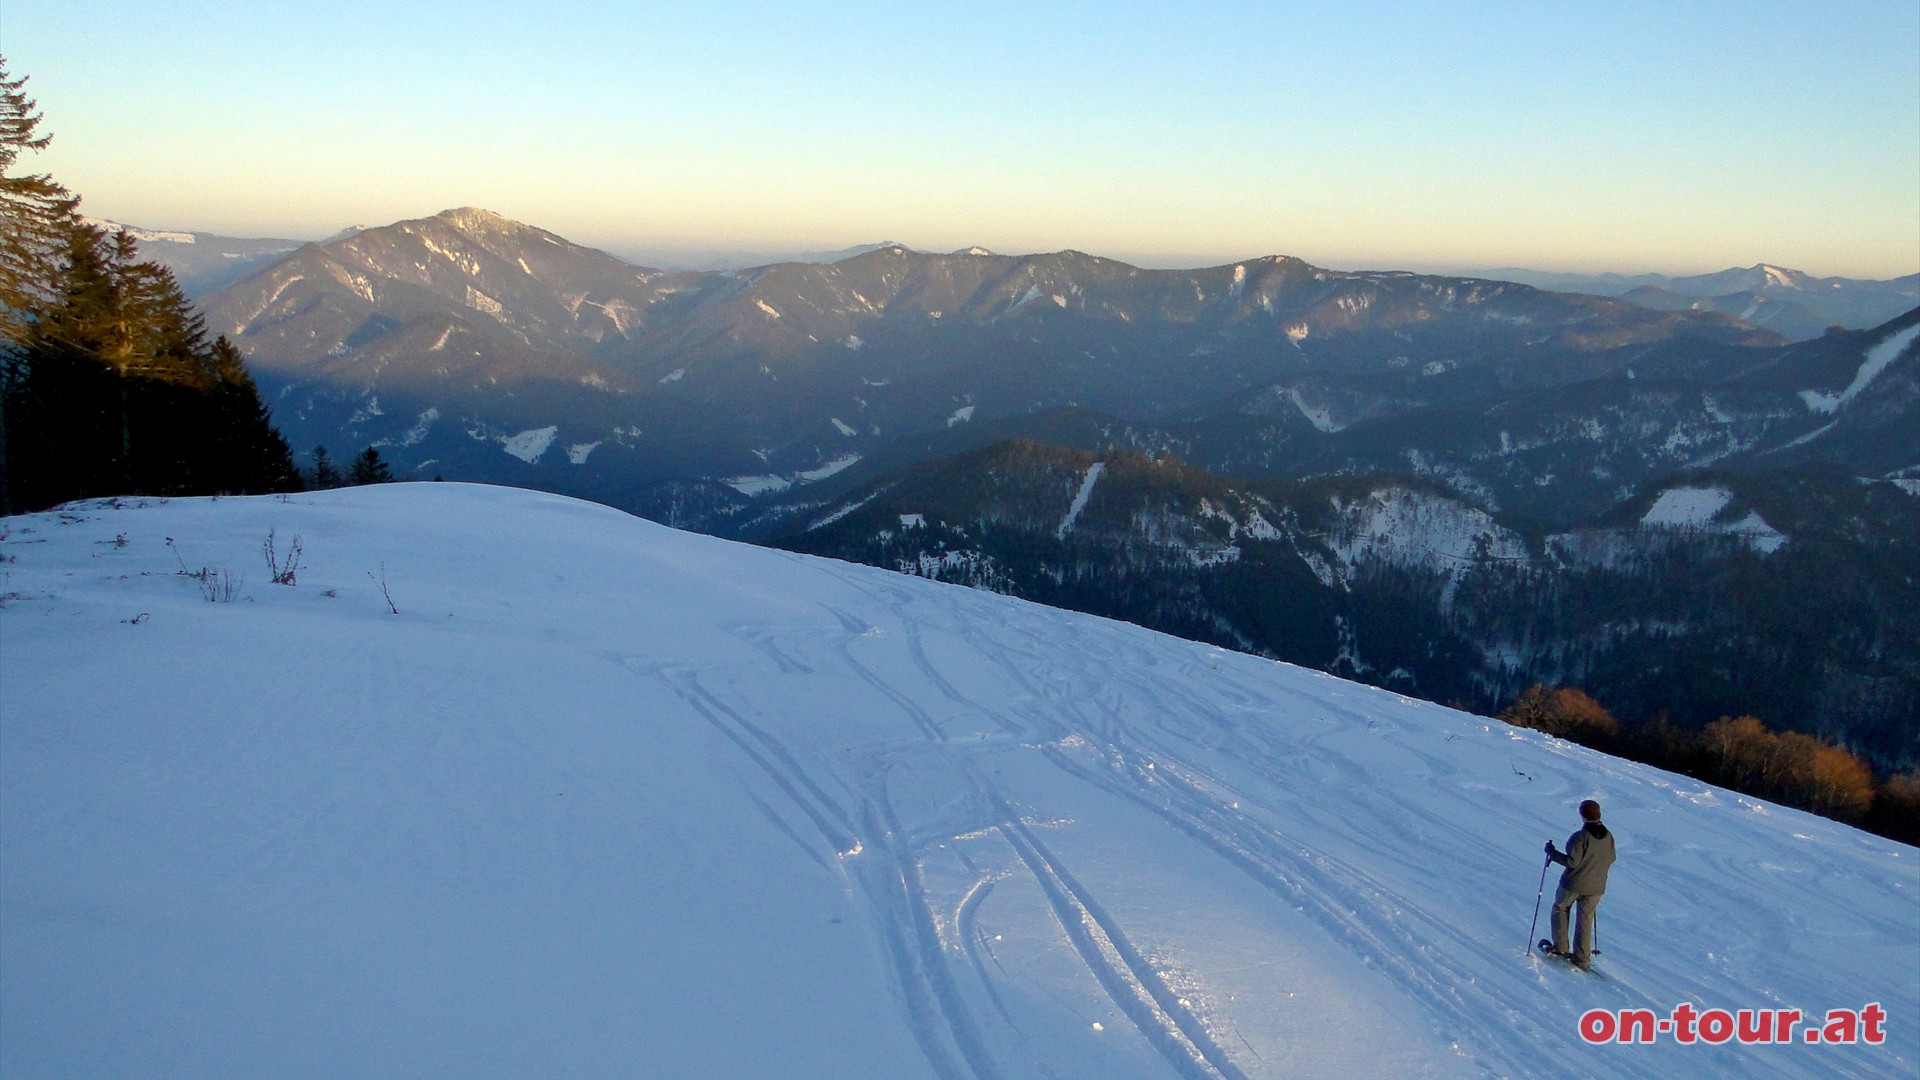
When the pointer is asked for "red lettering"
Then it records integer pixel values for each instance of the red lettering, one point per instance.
(1872, 1016)
(1688, 1025)
(1716, 1026)
(1842, 1026)
(1683, 1022)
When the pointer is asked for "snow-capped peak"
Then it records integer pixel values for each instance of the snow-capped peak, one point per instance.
(145, 236)
(1780, 277)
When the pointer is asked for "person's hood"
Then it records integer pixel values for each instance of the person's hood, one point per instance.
(1596, 830)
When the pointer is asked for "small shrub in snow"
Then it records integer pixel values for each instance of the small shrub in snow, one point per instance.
(382, 582)
(217, 586)
(282, 571)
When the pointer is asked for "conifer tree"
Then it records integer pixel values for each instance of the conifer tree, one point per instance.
(325, 473)
(257, 452)
(34, 214)
(35, 211)
(369, 469)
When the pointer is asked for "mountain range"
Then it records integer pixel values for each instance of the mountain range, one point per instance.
(1795, 304)
(694, 258)
(755, 403)
(470, 346)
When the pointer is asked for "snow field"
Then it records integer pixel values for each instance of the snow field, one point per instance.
(607, 799)
(1080, 497)
(1687, 507)
(1872, 363)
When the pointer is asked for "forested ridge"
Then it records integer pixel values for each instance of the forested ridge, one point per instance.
(1393, 581)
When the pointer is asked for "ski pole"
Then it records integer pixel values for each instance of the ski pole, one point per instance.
(1535, 924)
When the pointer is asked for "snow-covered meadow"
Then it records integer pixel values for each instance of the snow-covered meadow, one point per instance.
(606, 799)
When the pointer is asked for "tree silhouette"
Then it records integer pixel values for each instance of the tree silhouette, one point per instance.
(369, 469)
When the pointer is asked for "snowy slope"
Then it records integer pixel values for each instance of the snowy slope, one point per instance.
(605, 799)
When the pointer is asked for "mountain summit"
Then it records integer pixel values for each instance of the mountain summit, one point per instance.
(463, 298)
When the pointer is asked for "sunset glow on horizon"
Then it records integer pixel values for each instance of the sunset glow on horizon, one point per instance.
(1645, 137)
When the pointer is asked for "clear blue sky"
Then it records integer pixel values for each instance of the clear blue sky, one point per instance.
(1675, 136)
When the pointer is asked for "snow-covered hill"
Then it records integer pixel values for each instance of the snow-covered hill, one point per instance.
(605, 799)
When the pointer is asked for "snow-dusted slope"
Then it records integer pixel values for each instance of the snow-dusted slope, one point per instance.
(605, 799)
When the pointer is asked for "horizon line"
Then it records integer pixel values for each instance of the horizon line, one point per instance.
(721, 255)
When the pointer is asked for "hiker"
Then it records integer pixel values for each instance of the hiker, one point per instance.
(1589, 853)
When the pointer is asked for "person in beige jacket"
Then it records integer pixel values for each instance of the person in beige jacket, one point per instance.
(1589, 853)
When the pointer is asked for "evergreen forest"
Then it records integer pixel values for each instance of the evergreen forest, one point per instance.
(109, 382)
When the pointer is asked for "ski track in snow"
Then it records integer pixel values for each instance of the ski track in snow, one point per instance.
(1390, 930)
(1387, 927)
(1077, 847)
